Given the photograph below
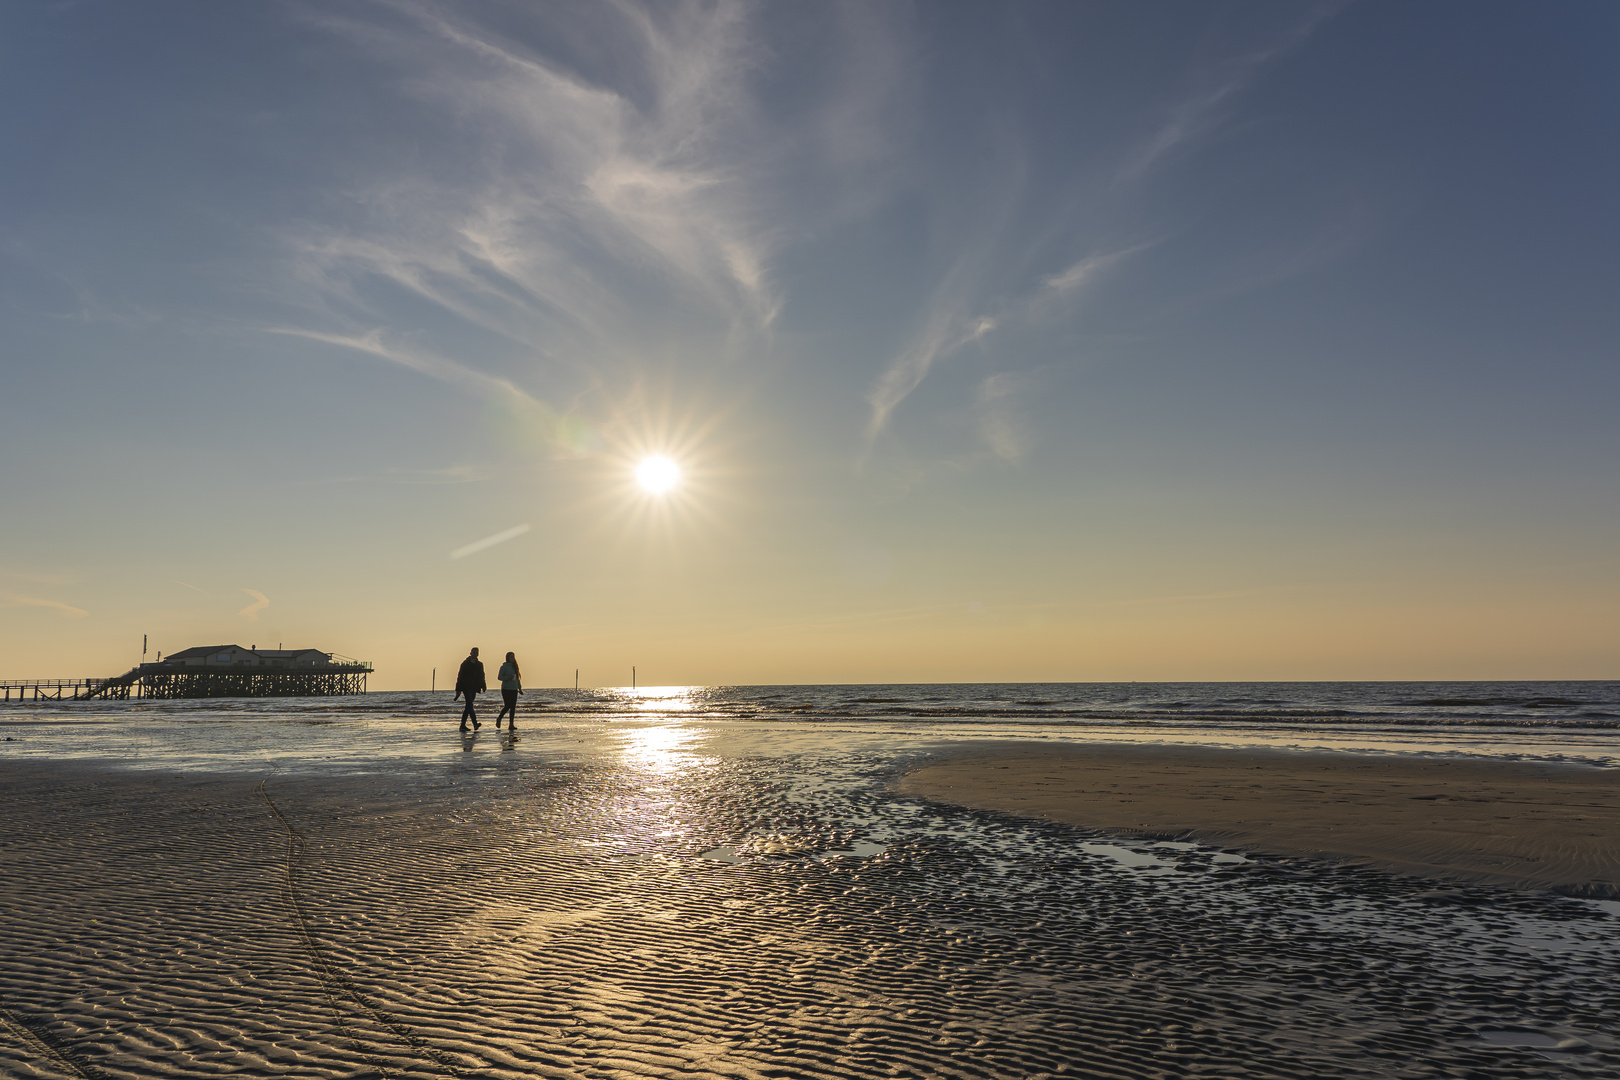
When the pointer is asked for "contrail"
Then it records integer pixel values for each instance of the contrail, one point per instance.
(489, 541)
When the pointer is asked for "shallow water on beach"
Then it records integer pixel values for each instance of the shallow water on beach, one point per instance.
(1577, 721)
(670, 891)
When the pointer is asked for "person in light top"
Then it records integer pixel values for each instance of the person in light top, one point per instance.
(511, 686)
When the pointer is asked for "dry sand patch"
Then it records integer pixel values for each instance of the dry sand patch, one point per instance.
(1501, 822)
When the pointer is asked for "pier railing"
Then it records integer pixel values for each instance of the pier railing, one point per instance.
(48, 689)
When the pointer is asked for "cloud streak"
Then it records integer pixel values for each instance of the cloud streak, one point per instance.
(1000, 426)
(948, 328)
(419, 361)
(69, 610)
(565, 434)
(490, 541)
(943, 333)
(37, 579)
(1212, 86)
(260, 602)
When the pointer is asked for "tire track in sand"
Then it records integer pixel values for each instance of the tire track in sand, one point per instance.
(48, 1048)
(336, 985)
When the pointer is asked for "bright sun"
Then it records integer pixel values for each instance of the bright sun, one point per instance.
(658, 474)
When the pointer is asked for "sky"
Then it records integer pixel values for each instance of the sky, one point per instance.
(993, 342)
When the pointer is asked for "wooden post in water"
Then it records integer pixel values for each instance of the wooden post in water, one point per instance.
(435, 685)
(632, 676)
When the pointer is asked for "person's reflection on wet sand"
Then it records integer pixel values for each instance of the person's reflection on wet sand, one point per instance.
(468, 738)
(510, 742)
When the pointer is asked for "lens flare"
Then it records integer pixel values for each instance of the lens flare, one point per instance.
(658, 474)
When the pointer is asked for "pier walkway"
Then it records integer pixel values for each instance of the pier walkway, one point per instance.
(49, 689)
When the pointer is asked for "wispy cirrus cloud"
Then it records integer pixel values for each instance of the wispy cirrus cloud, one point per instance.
(961, 311)
(420, 361)
(566, 434)
(1214, 82)
(1083, 272)
(942, 333)
(590, 209)
(13, 600)
(952, 325)
(37, 579)
(449, 475)
(260, 602)
(1000, 425)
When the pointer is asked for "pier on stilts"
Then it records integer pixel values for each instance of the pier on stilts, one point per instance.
(212, 671)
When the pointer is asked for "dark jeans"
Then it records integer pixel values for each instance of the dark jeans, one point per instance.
(510, 697)
(467, 712)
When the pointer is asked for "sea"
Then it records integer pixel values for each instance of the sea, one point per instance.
(1537, 720)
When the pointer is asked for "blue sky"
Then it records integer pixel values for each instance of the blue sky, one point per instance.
(995, 341)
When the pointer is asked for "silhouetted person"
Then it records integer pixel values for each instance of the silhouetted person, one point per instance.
(511, 686)
(469, 683)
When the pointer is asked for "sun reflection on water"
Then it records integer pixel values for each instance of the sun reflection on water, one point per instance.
(660, 749)
(659, 698)
(663, 756)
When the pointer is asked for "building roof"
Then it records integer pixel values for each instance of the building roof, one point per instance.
(204, 650)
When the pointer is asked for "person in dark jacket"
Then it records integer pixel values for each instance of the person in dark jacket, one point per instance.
(469, 684)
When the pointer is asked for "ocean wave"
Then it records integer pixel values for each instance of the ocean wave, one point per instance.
(1540, 707)
(1498, 702)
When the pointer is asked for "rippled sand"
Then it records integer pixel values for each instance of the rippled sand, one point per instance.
(719, 914)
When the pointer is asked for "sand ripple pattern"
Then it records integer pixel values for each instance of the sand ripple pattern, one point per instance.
(559, 918)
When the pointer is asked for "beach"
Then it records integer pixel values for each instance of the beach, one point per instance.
(328, 896)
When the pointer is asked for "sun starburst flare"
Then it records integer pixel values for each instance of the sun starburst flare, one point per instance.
(658, 474)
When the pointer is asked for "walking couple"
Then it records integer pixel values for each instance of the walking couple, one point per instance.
(470, 683)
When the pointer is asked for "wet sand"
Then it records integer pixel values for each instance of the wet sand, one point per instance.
(589, 902)
(1508, 823)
